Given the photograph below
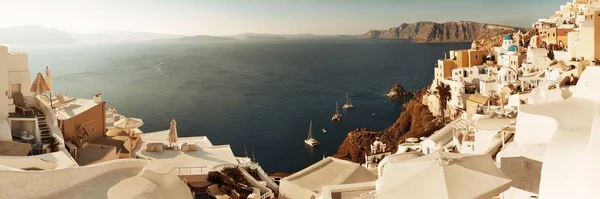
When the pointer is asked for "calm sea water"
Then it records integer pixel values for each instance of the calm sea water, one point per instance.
(259, 93)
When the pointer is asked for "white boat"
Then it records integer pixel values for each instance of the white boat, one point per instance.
(324, 131)
(337, 116)
(310, 140)
(348, 104)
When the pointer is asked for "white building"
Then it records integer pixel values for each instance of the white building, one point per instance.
(507, 75)
(537, 58)
(485, 137)
(508, 53)
(379, 150)
(568, 129)
(438, 140)
(457, 91)
(15, 79)
(469, 75)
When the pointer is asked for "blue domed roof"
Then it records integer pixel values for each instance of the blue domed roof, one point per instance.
(508, 37)
(513, 48)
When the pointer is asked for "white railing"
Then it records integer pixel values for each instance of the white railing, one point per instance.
(51, 120)
(191, 170)
(264, 176)
(269, 195)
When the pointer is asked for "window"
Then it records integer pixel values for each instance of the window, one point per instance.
(554, 34)
(471, 72)
(476, 57)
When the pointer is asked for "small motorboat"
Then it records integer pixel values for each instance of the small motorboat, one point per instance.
(310, 141)
(324, 131)
(373, 114)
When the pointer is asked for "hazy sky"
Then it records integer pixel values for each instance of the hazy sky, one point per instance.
(227, 17)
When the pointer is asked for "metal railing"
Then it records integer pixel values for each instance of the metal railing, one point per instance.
(191, 170)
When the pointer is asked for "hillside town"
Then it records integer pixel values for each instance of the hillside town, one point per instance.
(520, 117)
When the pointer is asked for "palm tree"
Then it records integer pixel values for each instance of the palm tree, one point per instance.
(443, 91)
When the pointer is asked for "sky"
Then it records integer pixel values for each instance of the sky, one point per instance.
(229, 17)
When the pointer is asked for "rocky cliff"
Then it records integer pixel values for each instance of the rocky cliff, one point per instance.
(399, 93)
(448, 32)
(415, 121)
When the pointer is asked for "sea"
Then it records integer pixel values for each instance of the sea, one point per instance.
(254, 95)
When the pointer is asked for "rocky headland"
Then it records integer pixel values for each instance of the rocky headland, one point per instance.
(399, 93)
(415, 121)
(447, 32)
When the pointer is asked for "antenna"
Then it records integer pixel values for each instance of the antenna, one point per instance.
(245, 151)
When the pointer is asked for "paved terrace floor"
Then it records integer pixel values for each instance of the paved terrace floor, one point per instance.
(207, 156)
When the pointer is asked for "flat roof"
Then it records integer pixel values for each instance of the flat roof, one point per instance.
(74, 108)
(492, 124)
(207, 156)
(92, 154)
(480, 99)
(116, 141)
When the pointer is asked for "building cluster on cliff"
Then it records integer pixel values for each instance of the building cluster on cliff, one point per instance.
(524, 122)
(528, 107)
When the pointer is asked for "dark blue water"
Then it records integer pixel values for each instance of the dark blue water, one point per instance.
(259, 93)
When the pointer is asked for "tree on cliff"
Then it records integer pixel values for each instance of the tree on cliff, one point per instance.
(551, 52)
(443, 91)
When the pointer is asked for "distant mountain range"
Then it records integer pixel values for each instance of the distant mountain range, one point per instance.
(33, 35)
(264, 36)
(448, 32)
(43, 35)
(201, 38)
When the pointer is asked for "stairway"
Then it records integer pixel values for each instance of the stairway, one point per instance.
(44, 129)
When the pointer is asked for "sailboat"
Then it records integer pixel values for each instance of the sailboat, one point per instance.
(310, 140)
(337, 116)
(348, 104)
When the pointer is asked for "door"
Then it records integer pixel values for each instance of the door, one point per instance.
(14, 89)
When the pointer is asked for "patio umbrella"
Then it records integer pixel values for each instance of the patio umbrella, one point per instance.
(39, 85)
(443, 175)
(524, 172)
(48, 79)
(173, 132)
(129, 123)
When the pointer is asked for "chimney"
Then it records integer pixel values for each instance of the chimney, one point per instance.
(97, 98)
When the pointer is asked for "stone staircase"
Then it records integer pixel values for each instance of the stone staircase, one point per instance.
(44, 129)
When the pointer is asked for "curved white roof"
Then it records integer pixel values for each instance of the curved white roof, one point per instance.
(329, 171)
(443, 135)
(123, 178)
